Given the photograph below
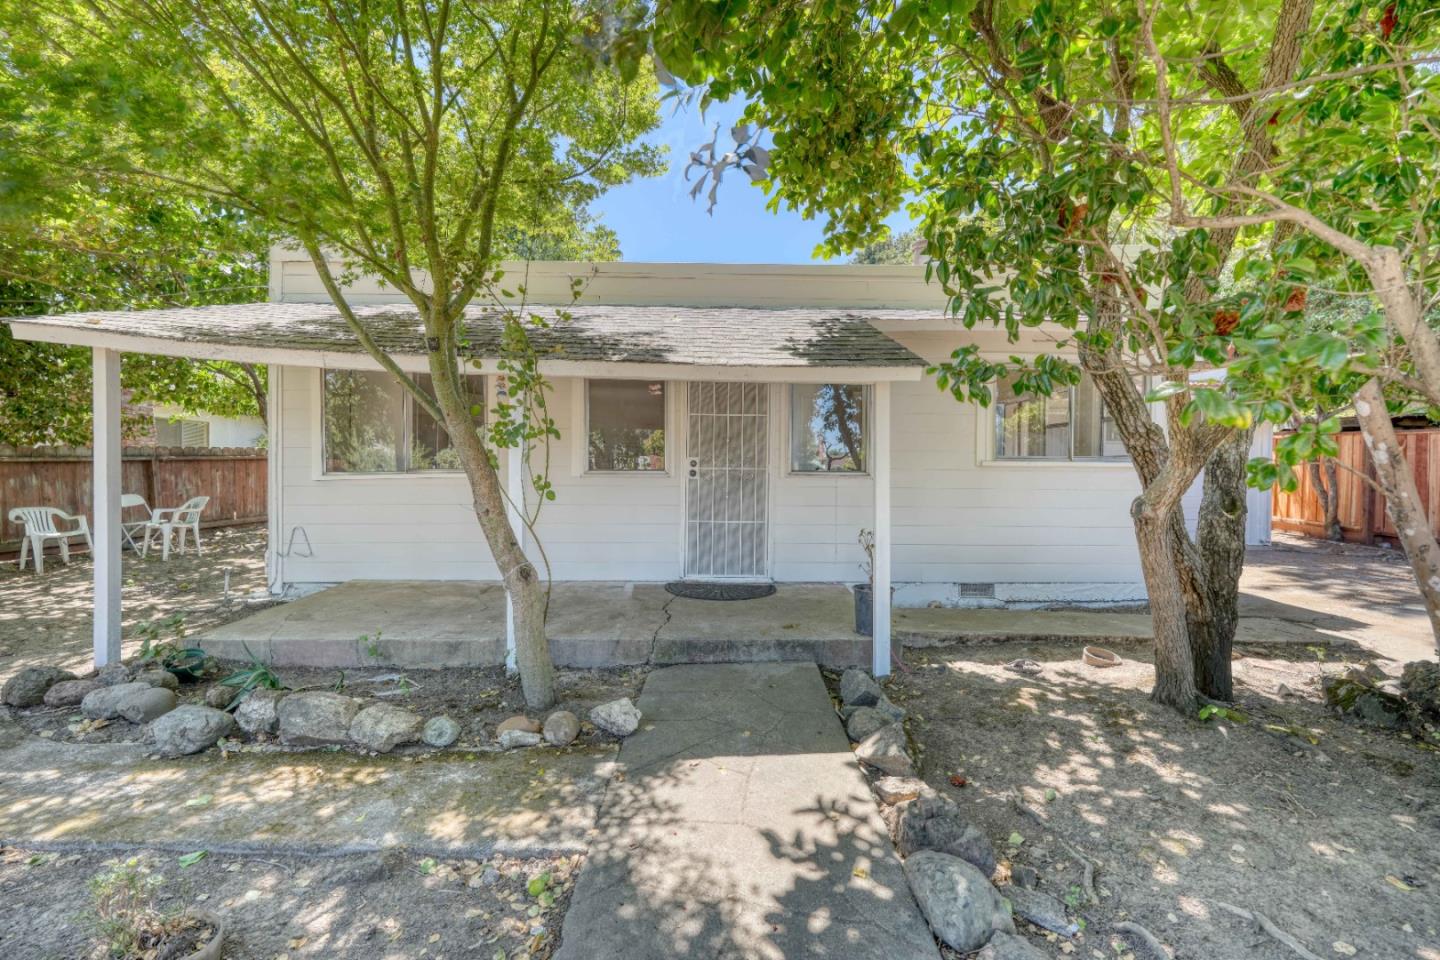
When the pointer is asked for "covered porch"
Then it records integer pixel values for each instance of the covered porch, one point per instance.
(427, 624)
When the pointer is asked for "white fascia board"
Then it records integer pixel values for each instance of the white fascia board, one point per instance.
(419, 363)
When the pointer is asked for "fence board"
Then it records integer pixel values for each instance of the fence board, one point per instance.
(233, 479)
(1363, 517)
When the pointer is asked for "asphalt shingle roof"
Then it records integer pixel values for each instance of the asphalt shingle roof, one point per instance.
(702, 336)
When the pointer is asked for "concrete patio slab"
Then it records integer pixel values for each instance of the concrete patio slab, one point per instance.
(741, 828)
(455, 803)
(462, 624)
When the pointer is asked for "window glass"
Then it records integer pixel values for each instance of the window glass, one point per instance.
(1073, 424)
(827, 428)
(373, 425)
(626, 424)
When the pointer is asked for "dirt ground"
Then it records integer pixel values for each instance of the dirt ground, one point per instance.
(362, 907)
(46, 619)
(1329, 829)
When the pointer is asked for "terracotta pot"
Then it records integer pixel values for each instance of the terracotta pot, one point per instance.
(216, 947)
(1100, 657)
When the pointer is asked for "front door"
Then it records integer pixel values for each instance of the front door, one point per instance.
(727, 488)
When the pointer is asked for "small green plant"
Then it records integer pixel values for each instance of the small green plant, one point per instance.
(160, 639)
(257, 675)
(372, 644)
(127, 920)
(1212, 710)
(339, 685)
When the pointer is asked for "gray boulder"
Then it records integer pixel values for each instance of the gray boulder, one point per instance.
(885, 750)
(511, 739)
(859, 689)
(561, 728)
(1420, 684)
(440, 732)
(901, 789)
(958, 901)
(1010, 946)
(891, 710)
(1354, 697)
(142, 706)
(935, 823)
(518, 722)
(1040, 909)
(259, 711)
(113, 674)
(384, 727)
(865, 721)
(1023, 875)
(219, 696)
(69, 693)
(316, 718)
(619, 718)
(157, 677)
(104, 703)
(28, 687)
(190, 729)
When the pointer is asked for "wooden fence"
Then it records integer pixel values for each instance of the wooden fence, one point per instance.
(233, 479)
(1362, 508)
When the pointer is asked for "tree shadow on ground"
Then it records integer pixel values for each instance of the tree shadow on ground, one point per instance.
(1292, 813)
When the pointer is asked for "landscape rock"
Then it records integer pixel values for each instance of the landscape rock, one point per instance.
(859, 689)
(68, 693)
(1361, 701)
(148, 704)
(935, 823)
(28, 687)
(865, 721)
(885, 750)
(316, 718)
(511, 739)
(1420, 684)
(891, 710)
(1040, 909)
(1010, 946)
(104, 703)
(189, 729)
(518, 722)
(900, 789)
(1023, 875)
(440, 732)
(384, 727)
(957, 900)
(259, 711)
(619, 718)
(113, 674)
(158, 678)
(561, 728)
(219, 696)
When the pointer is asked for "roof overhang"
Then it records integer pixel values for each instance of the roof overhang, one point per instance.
(861, 354)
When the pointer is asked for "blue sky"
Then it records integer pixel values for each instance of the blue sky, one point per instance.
(657, 220)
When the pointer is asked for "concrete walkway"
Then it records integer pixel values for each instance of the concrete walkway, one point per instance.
(741, 827)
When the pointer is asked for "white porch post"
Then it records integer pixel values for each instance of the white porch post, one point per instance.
(515, 488)
(105, 506)
(880, 472)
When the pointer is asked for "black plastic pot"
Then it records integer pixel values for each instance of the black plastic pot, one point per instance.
(864, 610)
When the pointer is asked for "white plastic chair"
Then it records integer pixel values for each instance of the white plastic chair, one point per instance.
(177, 519)
(128, 529)
(39, 523)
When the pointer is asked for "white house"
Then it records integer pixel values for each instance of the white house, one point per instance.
(717, 421)
(178, 428)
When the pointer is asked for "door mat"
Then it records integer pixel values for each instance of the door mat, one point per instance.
(705, 590)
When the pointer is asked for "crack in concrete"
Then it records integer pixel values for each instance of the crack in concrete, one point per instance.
(655, 637)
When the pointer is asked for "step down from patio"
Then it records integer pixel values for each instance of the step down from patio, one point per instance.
(434, 624)
(741, 827)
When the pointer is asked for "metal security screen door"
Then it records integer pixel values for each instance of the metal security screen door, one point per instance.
(727, 481)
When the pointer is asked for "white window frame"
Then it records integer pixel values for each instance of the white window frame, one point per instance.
(580, 435)
(986, 442)
(317, 432)
(787, 446)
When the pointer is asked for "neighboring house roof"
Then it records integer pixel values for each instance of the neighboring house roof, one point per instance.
(699, 336)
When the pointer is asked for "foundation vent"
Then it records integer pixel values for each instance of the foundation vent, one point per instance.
(978, 590)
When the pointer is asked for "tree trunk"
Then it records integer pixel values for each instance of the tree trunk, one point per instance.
(1174, 669)
(522, 581)
(1402, 497)
(1324, 478)
(1220, 533)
